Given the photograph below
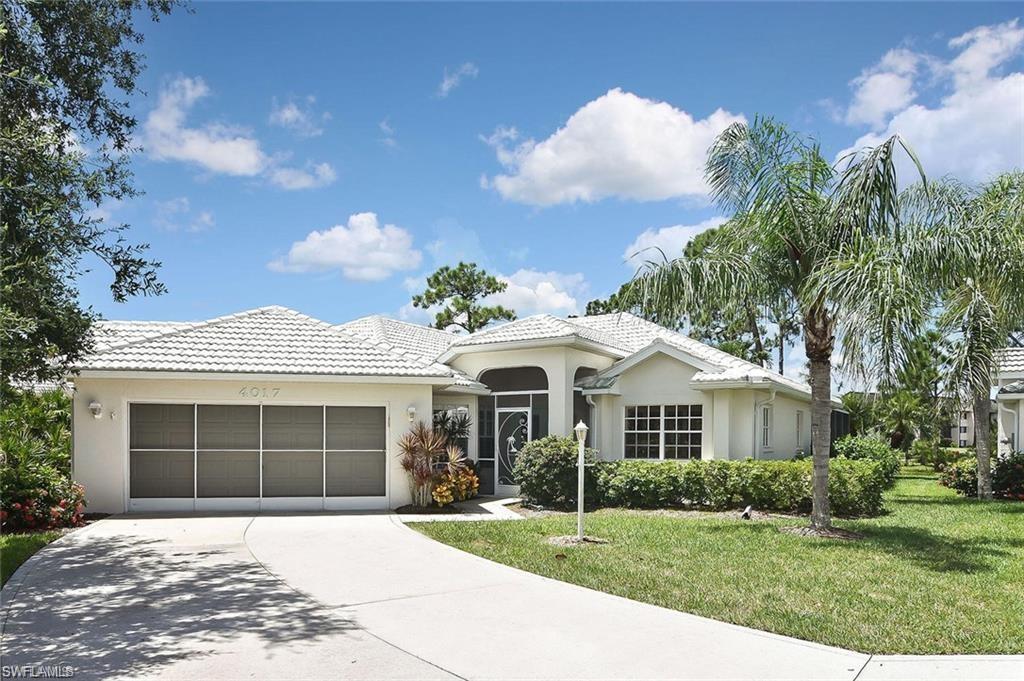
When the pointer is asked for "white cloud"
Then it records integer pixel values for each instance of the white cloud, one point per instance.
(388, 132)
(362, 249)
(220, 148)
(310, 177)
(884, 88)
(532, 292)
(977, 128)
(176, 215)
(452, 79)
(617, 145)
(215, 147)
(671, 240)
(983, 49)
(298, 116)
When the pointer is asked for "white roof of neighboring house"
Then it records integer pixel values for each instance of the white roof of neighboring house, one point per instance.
(622, 334)
(271, 340)
(1011, 360)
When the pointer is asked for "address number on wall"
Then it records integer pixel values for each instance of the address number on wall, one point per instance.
(258, 391)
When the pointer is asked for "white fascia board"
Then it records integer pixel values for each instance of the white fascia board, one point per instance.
(566, 341)
(761, 384)
(601, 391)
(464, 390)
(244, 376)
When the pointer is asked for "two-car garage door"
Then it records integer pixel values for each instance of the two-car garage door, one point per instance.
(211, 456)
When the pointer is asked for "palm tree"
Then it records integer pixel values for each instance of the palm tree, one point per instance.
(981, 274)
(902, 414)
(798, 226)
(861, 408)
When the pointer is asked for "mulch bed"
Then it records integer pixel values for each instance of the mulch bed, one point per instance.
(573, 540)
(409, 509)
(830, 533)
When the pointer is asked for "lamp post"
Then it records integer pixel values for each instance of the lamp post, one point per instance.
(581, 435)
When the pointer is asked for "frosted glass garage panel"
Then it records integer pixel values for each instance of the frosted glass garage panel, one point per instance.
(223, 426)
(293, 474)
(161, 426)
(355, 474)
(228, 474)
(292, 428)
(161, 474)
(356, 428)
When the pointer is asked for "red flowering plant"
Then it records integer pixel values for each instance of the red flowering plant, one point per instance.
(34, 493)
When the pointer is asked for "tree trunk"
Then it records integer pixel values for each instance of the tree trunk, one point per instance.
(782, 353)
(756, 333)
(982, 426)
(818, 343)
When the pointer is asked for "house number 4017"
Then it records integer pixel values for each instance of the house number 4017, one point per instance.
(256, 391)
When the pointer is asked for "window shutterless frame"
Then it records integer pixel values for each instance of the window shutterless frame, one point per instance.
(667, 414)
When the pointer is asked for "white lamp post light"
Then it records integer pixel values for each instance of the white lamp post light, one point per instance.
(581, 435)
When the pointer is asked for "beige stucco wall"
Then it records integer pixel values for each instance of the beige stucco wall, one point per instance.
(731, 416)
(101, 445)
(559, 364)
(1010, 422)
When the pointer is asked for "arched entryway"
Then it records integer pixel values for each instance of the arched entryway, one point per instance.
(515, 413)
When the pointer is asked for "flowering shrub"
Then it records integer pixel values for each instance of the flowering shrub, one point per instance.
(1007, 476)
(36, 490)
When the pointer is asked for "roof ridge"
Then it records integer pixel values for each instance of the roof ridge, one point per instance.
(384, 345)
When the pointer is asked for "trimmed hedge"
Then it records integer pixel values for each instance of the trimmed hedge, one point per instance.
(873, 448)
(546, 470)
(855, 486)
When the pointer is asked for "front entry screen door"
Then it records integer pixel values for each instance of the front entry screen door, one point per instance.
(513, 432)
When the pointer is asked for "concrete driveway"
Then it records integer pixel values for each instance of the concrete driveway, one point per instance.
(364, 597)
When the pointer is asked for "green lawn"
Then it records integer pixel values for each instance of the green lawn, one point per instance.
(15, 549)
(938, 574)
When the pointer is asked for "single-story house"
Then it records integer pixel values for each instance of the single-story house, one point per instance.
(1010, 399)
(272, 409)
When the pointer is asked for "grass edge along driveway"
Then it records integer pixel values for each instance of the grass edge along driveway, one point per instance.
(15, 549)
(937, 574)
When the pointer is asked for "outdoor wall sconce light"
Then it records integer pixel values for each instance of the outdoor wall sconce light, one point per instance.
(96, 408)
(412, 414)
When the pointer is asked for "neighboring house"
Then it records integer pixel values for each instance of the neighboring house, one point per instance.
(1010, 400)
(961, 433)
(271, 409)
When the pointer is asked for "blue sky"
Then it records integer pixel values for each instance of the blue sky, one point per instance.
(543, 141)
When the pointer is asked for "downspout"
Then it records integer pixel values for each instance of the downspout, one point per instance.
(757, 411)
(1011, 412)
(593, 411)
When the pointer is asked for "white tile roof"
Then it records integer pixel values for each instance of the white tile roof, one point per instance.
(112, 332)
(537, 327)
(424, 342)
(1011, 359)
(265, 340)
(625, 334)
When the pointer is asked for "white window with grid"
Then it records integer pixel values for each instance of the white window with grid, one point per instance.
(664, 431)
(766, 427)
